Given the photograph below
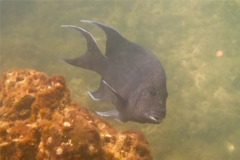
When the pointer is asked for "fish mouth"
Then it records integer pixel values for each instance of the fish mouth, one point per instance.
(153, 118)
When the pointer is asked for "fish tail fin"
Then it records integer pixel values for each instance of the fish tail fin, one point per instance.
(114, 38)
(92, 58)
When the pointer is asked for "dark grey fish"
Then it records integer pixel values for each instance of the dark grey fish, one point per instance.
(132, 77)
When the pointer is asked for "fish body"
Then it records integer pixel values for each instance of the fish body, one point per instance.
(132, 77)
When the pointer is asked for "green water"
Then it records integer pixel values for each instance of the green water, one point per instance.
(203, 107)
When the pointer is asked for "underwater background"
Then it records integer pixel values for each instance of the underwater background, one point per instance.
(197, 41)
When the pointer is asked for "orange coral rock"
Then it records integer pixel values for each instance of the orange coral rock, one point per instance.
(39, 121)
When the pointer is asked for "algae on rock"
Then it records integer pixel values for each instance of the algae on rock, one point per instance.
(39, 121)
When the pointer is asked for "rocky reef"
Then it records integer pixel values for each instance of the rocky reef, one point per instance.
(39, 121)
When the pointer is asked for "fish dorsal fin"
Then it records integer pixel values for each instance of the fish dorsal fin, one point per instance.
(114, 38)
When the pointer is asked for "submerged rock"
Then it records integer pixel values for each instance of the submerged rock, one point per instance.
(39, 121)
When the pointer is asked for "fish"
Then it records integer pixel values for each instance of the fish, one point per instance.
(132, 77)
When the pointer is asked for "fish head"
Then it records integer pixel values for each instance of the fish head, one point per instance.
(149, 102)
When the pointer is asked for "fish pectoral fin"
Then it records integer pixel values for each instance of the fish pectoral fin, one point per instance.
(119, 100)
(102, 93)
(111, 113)
(113, 90)
(93, 96)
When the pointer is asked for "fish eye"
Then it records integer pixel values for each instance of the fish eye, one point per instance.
(153, 93)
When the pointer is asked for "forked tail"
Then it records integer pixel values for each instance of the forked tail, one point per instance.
(92, 59)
